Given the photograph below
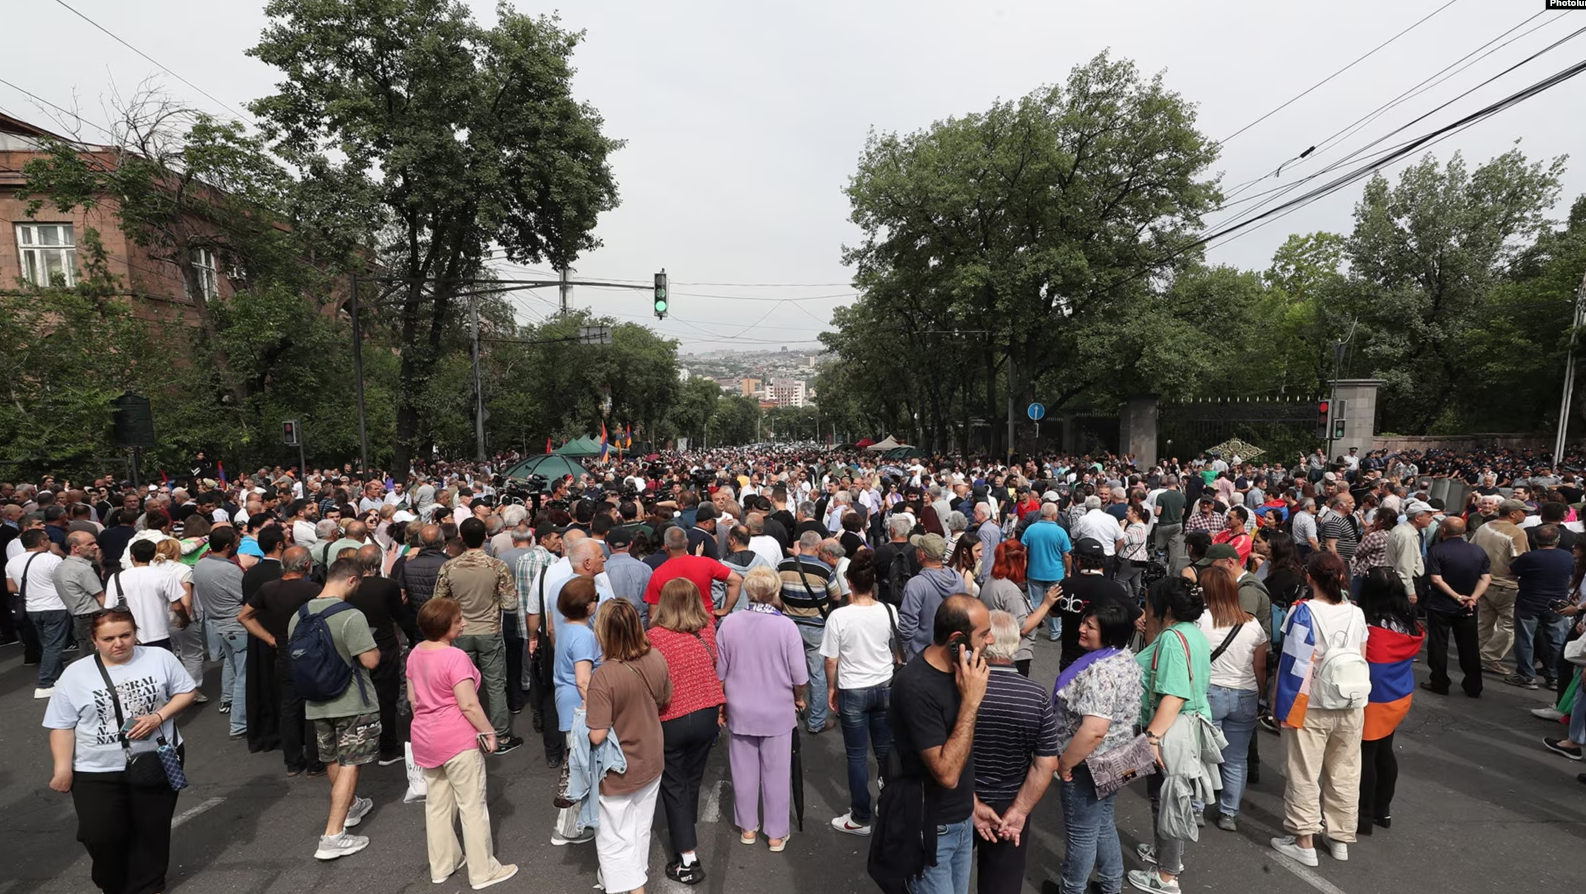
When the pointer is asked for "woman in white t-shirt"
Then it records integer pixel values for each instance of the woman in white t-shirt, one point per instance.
(125, 828)
(861, 650)
(1238, 677)
(1322, 778)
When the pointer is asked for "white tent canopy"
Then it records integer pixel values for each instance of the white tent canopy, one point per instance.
(890, 443)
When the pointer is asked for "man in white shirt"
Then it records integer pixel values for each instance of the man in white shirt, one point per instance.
(1101, 526)
(760, 542)
(151, 594)
(304, 514)
(31, 577)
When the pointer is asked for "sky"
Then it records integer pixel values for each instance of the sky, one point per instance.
(744, 121)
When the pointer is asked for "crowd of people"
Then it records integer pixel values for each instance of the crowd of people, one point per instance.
(640, 612)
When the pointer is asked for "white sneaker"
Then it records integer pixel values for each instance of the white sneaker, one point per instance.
(845, 823)
(1338, 850)
(1553, 714)
(505, 872)
(44, 692)
(334, 846)
(584, 836)
(1305, 856)
(199, 698)
(360, 808)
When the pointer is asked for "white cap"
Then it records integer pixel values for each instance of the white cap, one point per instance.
(1416, 507)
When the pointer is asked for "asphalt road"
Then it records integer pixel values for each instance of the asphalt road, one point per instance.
(1481, 807)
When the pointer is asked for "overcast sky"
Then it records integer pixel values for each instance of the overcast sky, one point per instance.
(745, 120)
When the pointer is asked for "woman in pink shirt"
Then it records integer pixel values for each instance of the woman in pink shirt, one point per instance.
(451, 735)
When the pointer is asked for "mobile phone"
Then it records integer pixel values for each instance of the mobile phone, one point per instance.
(483, 744)
(127, 727)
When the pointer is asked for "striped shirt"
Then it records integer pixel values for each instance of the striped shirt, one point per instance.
(1343, 528)
(1016, 723)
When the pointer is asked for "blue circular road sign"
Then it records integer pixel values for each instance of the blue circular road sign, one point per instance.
(1036, 412)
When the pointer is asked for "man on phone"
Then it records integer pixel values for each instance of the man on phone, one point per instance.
(935, 701)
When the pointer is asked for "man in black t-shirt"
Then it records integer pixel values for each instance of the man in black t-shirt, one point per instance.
(1459, 572)
(935, 701)
(266, 614)
(1089, 585)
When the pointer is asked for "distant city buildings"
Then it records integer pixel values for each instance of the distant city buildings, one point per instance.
(777, 378)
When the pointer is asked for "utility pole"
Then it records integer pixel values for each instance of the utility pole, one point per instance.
(357, 371)
(479, 388)
(1569, 374)
(566, 290)
(1009, 453)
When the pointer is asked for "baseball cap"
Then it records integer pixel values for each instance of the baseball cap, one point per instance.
(1329, 476)
(402, 515)
(1090, 548)
(1416, 507)
(1208, 496)
(1050, 497)
(1217, 551)
(932, 545)
(619, 537)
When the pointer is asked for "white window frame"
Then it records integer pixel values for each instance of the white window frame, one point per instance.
(207, 273)
(32, 253)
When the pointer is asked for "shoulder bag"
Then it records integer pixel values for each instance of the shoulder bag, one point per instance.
(1119, 767)
(160, 768)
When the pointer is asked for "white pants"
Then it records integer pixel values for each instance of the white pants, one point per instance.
(623, 839)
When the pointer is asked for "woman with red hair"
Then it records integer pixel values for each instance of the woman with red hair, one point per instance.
(1004, 591)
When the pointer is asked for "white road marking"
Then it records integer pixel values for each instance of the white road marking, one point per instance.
(1304, 873)
(188, 814)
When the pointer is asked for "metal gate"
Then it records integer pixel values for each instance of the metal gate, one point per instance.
(1282, 427)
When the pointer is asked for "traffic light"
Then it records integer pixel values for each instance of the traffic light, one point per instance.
(660, 295)
(1322, 408)
(289, 432)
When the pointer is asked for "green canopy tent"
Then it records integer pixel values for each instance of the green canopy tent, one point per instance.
(584, 446)
(548, 466)
(904, 452)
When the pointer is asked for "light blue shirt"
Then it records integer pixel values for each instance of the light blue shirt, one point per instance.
(1047, 543)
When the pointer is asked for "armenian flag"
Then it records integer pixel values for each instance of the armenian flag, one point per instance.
(1391, 655)
(220, 472)
(605, 444)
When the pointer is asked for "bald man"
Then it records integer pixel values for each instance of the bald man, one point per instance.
(77, 583)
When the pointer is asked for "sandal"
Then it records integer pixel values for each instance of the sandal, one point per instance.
(778, 845)
(747, 837)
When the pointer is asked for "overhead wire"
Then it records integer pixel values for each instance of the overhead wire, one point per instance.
(1335, 74)
(117, 38)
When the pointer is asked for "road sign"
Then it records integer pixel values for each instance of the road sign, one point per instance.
(1037, 412)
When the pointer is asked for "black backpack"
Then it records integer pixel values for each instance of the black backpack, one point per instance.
(318, 671)
(898, 576)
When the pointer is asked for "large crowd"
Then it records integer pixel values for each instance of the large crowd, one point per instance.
(641, 610)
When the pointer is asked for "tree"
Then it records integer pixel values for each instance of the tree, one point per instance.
(1024, 223)
(736, 420)
(695, 405)
(462, 137)
(1426, 256)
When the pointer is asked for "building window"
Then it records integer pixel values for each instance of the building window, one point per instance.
(48, 251)
(204, 267)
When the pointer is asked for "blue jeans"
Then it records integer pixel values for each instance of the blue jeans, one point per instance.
(1035, 591)
(228, 641)
(812, 630)
(1234, 712)
(863, 713)
(1554, 629)
(54, 630)
(1090, 837)
(955, 852)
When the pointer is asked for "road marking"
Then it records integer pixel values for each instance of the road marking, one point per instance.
(710, 811)
(195, 811)
(1304, 873)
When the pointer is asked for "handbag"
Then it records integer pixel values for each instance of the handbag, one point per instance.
(149, 769)
(1575, 651)
(1119, 767)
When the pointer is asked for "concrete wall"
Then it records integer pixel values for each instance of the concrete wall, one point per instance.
(1137, 429)
(1357, 407)
(1462, 442)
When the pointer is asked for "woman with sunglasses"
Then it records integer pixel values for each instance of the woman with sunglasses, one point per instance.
(125, 828)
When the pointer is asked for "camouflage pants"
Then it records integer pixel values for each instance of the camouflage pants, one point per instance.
(349, 741)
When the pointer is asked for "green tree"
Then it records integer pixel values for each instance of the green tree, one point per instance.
(1426, 256)
(695, 405)
(461, 136)
(735, 421)
(1025, 223)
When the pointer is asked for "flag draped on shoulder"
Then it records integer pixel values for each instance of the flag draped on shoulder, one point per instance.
(1391, 655)
(605, 444)
(1295, 666)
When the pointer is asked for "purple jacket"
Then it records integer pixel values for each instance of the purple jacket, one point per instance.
(760, 660)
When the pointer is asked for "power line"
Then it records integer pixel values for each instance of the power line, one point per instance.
(1334, 74)
(1279, 192)
(157, 64)
(37, 98)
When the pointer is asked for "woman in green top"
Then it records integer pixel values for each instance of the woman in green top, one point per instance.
(1177, 671)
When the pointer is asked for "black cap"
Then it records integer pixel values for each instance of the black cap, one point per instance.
(619, 537)
(1090, 548)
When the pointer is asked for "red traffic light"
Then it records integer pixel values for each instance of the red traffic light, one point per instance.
(1321, 407)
